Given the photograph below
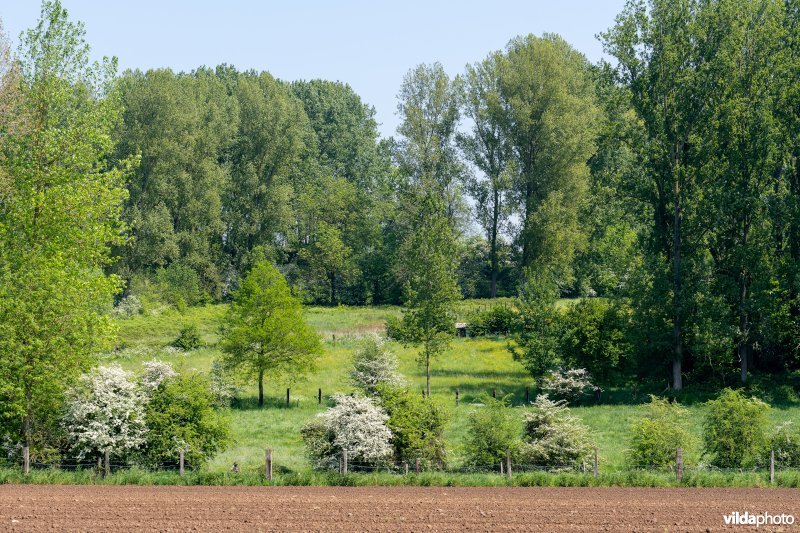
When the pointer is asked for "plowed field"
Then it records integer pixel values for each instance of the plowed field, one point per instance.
(129, 508)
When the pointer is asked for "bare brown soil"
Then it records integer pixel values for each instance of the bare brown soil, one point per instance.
(128, 508)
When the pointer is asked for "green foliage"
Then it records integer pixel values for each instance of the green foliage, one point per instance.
(179, 285)
(188, 338)
(180, 415)
(785, 442)
(735, 430)
(417, 426)
(431, 292)
(656, 437)
(553, 437)
(536, 343)
(60, 201)
(497, 320)
(264, 333)
(594, 337)
(493, 429)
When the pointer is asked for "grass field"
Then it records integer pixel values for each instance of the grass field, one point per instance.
(473, 366)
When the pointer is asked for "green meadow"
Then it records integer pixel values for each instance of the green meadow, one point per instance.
(473, 366)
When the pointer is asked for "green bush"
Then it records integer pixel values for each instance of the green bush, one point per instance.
(656, 437)
(785, 442)
(497, 320)
(179, 285)
(735, 430)
(417, 426)
(188, 338)
(553, 437)
(181, 415)
(492, 429)
(593, 337)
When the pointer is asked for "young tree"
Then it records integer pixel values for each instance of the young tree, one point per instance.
(59, 213)
(429, 272)
(263, 333)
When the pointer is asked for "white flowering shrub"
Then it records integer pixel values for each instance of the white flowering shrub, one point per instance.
(570, 385)
(222, 388)
(356, 424)
(553, 437)
(786, 444)
(105, 412)
(155, 372)
(128, 307)
(373, 365)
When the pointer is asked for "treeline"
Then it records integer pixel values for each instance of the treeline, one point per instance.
(238, 164)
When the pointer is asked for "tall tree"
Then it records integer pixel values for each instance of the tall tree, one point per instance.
(426, 153)
(550, 117)
(181, 125)
(264, 333)
(58, 216)
(741, 158)
(657, 52)
(488, 148)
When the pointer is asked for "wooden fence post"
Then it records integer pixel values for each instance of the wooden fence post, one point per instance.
(26, 460)
(319, 397)
(679, 464)
(508, 463)
(268, 465)
(181, 463)
(405, 467)
(287, 397)
(772, 466)
(457, 401)
(107, 463)
(344, 462)
(502, 469)
(595, 463)
(416, 465)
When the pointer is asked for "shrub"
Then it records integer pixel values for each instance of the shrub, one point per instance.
(105, 412)
(154, 373)
(553, 437)
(222, 388)
(373, 365)
(492, 429)
(785, 442)
(179, 285)
(497, 320)
(735, 430)
(356, 424)
(570, 386)
(656, 437)
(188, 338)
(417, 426)
(181, 415)
(593, 337)
(128, 307)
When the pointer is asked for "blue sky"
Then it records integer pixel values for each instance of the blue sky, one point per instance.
(368, 44)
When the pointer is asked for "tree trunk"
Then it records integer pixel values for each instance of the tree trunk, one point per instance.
(261, 388)
(493, 243)
(677, 361)
(744, 319)
(428, 373)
